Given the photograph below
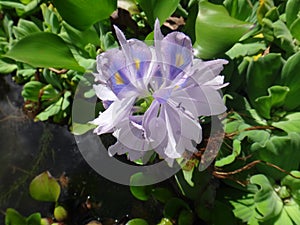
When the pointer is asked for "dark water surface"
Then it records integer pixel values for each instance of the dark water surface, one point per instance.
(29, 148)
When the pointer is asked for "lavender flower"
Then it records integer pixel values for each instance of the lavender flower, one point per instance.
(154, 95)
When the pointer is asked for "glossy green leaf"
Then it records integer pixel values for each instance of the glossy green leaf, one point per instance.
(214, 25)
(293, 211)
(290, 79)
(44, 50)
(34, 219)
(49, 93)
(275, 99)
(137, 221)
(293, 184)
(140, 192)
(165, 221)
(12, 217)
(160, 9)
(285, 37)
(289, 123)
(6, 68)
(239, 49)
(24, 28)
(51, 110)
(280, 151)
(262, 74)
(292, 11)
(230, 158)
(267, 202)
(239, 9)
(32, 90)
(44, 188)
(295, 29)
(82, 14)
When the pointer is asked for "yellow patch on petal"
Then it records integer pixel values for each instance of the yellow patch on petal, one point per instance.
(118, 78)
(179, 60)
(137, 64)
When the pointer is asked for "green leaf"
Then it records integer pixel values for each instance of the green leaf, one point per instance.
(290, 79)
(275, 99)
(162, 194)
(81, 14)
(12, 217)
(267, 202)
(137, 221)
(295, 29)
(173, 207)
(239, 9)
(289, 123)
(239, 49)
(293, 184)
(34, 219)
(79, 129)
(292, 11)
(230, 158)
(186, 217)
(280, 151)
(293, 211)
(262, 74)
(6, 68)
(31, 90)
(165, 221)
(214, 25)
(49, 93)
(44, 188)
(140, 192)
(24, 28)
(51, 110)
(44, 50)
(160, 9)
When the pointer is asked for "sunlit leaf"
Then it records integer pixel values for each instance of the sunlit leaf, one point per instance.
(32, 90)
(214, 25)
(6, 68)
(81, 14)
(295, 29)
(160, 9)
(267, 202)
(44, 50)
(12, 217)
(51, 110)
(239, 49)
(275, 99)
(262, 74)
(291, 80)
(44, 188)
(137, 221)
(292, 11)
(289, 123)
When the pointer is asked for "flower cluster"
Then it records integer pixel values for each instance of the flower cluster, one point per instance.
(154, 95)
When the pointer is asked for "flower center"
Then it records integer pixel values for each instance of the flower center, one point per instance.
(143, 104)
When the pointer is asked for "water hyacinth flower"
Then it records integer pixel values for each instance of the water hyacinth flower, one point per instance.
(154, 95)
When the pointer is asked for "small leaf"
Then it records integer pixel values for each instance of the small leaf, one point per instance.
(6, 68)
(239, 49)
(82, 14)
(230, 158)
(34, 219)
(51, 110)
(44, 50)
(162, 194)
(275, 99)
(165, 221)
(31, 90)
(137, 221)
(12, 217)
(44, 188)
(295, 29)
(160, 9)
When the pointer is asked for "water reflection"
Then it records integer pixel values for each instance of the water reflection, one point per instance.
(29, 148)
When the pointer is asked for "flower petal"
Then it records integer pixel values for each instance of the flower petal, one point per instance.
(117, 111)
